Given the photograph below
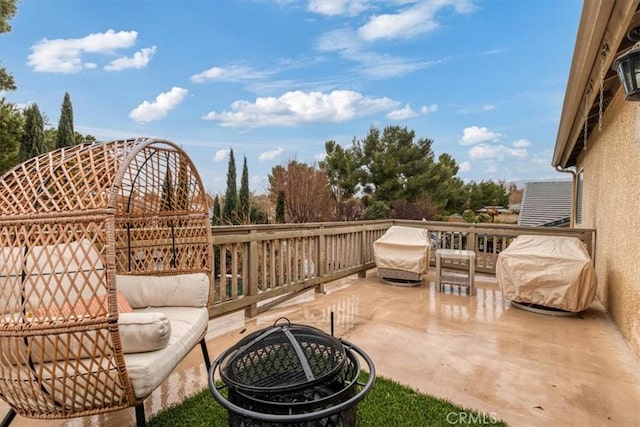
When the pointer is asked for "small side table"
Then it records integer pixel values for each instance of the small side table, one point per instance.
(452, 254)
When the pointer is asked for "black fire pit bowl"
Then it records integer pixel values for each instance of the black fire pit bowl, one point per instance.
(292, 375)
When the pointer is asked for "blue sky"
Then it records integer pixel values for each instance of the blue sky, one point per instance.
(275, 79)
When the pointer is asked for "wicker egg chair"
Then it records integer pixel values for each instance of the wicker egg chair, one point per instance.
(78, 225)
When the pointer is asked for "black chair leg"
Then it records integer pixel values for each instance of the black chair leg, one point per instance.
(205, 354)
(8, 418)
(140, 420)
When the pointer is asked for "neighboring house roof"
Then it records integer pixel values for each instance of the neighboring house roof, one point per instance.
(546, 203)
(601, 36)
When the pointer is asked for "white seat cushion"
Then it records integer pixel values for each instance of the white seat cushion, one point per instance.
(183, 290)
(148, 370)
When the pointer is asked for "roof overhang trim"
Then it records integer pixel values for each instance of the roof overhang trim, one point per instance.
(602, 23)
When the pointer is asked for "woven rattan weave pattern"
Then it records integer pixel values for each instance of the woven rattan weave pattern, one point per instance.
(70, 220)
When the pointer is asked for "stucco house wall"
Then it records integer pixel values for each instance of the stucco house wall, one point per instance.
(611, 205)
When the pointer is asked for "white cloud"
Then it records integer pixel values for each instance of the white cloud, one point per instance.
(90, 65)
(428, 109)
(65, 55)
(465, 166)
(518, 153)
(150, 111)
(402, 113)
(258, 185)
(337, 7)
(339, 40)
(298, 107)
(408, 19)
(320, 156)
(485, 151)
(235, 73)
(474, 135)
(23, 105)
(474, 109)
(372, 64)
(139, 59)
(542, 159)
(270, 155)
(221, 154)
(380, 66)
(418, 19)
(521, 143)
(496, 152)
(491, 169)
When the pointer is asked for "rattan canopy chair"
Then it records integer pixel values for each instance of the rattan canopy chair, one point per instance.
(105, 276)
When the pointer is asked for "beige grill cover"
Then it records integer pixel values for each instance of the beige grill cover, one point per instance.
(403, 248)
(549, 271)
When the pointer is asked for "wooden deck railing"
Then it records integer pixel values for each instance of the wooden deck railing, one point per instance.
(259, 266)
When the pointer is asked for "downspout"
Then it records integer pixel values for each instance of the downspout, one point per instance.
(574, 190)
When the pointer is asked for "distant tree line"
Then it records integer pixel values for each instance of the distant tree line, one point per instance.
(387, 174)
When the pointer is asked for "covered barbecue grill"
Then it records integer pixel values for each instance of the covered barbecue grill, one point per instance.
(547, 271)
(291, 374)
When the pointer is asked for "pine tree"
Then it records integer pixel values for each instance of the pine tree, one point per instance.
(33, 136)
(7, 11)
(66, 136)
(216, 211)
(231, 196)
(11, 120)
(280, 208)
(243, 198)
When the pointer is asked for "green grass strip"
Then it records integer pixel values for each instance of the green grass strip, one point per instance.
(388, 404)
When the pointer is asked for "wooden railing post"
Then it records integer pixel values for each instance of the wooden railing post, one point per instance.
(363, 253)
(472, 245)
(472, 239)
(321, 259)
(252, 310)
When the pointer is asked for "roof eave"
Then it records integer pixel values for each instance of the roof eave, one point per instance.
(601, 22)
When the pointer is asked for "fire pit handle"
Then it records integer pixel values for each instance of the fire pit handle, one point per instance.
(275, 324)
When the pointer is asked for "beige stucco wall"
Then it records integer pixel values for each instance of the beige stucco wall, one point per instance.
(611, 205)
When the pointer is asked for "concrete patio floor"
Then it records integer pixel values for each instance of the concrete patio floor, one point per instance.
(479, 352)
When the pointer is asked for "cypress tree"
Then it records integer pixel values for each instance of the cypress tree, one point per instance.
(183, 186)
(231, 196)
(243, 198)
(32, 143)
(216, 211)
(280, 208)
(166, 202)
(66, 136)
